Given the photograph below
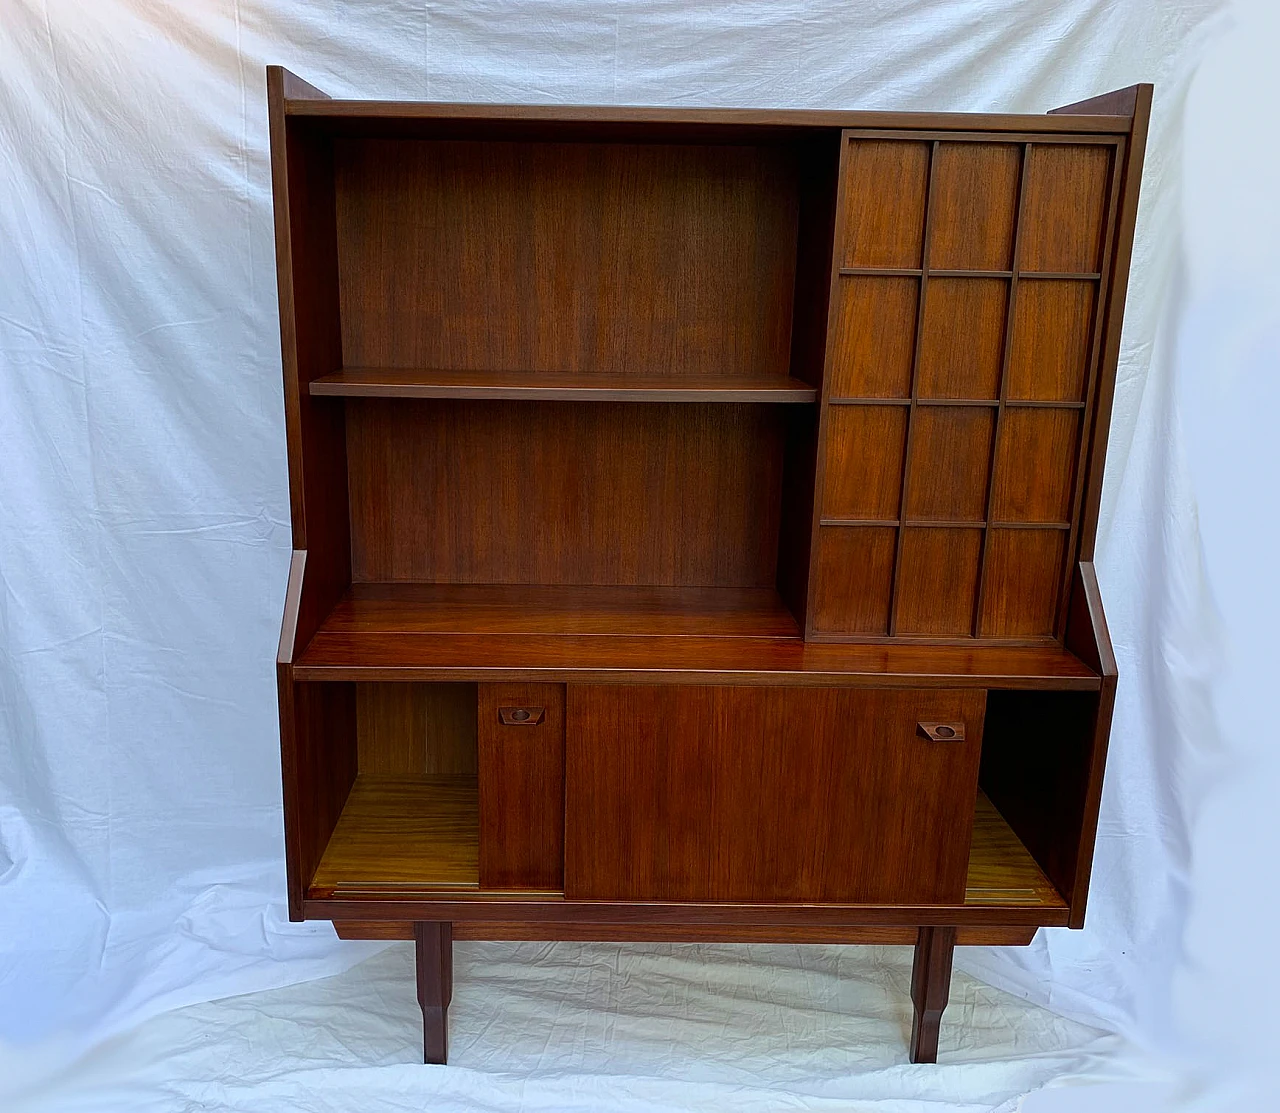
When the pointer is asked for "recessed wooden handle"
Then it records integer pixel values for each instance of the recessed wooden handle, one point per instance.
(942, 732)
(521, 716)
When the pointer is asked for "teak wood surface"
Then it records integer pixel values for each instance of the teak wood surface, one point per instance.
(660, 478)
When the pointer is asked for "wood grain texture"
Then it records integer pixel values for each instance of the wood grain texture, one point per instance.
(1053, 326)
(433, 954)
(682, 793)
(930, 988)
(975, 196)
(318, 767)
(1035, 465)
(649, 259)
(884, 198)
(691, 659)
(521, 789)
(950, 458)
(580, 494)
(873, 337)
(415, 608)
(559, 386)
(310, 346)
(1065, 207)
(962, 340)
(1002, 870)
(515, 930)
(854, 576)
(937, 581)
(1022, 570)
(415, 833)
(863, 468)
(416, 729)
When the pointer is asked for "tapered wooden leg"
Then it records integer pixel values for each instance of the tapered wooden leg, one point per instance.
(435, 986)
(930, 987)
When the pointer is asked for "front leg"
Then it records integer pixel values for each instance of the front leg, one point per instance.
(434, 946)
(930, 987)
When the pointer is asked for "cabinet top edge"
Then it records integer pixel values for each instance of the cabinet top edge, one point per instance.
(782, 118)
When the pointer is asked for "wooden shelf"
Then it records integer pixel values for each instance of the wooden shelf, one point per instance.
(550, 386)
(419, 833)
(612, 634)
(407, 836)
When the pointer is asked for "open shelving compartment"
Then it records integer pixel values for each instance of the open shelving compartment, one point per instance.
(556, 391)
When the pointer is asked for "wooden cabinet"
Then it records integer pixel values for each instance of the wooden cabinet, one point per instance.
(693, 516)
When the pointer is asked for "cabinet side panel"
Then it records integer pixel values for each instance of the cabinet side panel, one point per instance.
(521, 786)
(318, 768)
(311, 346)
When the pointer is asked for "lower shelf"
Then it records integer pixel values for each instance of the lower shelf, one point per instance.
(406, 837)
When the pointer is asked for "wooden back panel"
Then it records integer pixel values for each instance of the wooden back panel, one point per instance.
(565, 493)
(650, 259)
(963, 347)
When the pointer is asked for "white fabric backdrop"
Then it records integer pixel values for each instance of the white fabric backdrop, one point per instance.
(143, 504)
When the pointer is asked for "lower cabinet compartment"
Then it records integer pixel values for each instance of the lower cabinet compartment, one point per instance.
(678, 793)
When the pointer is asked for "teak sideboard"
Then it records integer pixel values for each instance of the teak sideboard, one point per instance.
(693, 521)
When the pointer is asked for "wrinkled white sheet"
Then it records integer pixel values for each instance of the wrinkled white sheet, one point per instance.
(143, 500)
(562, 1027)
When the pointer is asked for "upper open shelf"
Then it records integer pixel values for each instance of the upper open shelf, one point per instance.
(556, 386)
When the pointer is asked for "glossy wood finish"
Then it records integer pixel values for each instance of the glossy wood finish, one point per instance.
(433, 947)
(516, 930)
(971, 265)
(930, 988)
(416, 730)
(407, 833)
(521, 788)
(560, 386)
(570, 237)
(682, 793)
(580, 493)
(533, 359)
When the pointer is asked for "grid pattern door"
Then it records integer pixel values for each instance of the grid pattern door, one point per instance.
(962, 355)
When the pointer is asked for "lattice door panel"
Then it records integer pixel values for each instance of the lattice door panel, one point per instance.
(961, 361)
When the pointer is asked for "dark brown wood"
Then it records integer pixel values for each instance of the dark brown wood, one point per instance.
(516, 930)
(318, 769)
(434, 954)
(671, 491)
(930, 988)
(680, 793)
(581, 493)
(521, 786)
(558, 386)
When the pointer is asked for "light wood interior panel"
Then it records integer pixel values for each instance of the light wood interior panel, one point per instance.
(581, 493)
(416, 729)
(650, 259)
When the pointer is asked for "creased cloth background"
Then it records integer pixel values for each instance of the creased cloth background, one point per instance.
(144, 536)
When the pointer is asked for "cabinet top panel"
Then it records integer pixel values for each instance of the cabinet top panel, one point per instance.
(713, 118)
